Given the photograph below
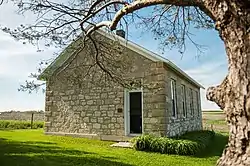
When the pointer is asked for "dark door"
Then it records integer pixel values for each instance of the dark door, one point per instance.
(135, 108)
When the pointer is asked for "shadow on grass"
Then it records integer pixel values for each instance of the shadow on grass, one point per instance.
(46, 160)
(14, 147)
(13, 153)
(215, 147)
(39, 142)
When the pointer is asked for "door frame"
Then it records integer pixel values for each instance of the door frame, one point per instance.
(127, 112)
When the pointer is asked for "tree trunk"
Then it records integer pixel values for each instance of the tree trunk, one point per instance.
(233, 95)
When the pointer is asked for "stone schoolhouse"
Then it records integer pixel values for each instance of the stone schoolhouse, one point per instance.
(111, 112)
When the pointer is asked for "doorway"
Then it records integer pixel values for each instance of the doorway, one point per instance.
(135, 112)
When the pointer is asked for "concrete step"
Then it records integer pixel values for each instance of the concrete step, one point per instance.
(122, 145)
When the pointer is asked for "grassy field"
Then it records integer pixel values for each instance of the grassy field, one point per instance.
(17, 124)
(33, 148)
(214, 120)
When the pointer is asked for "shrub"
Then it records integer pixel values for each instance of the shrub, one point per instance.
(13, 124)
(188, 144)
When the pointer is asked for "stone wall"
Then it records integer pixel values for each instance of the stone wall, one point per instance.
(89, 106)
(181, 124)
(25, 116)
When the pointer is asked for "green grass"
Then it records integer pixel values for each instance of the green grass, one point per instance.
(33, 148)
(15, 124)
(216, 122)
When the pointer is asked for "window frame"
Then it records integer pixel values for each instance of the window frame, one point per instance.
(184, 98)
(198, 103)
(191, 101)
(173, 98)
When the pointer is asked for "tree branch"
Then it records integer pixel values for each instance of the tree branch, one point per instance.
(136, 5)
(217, 94)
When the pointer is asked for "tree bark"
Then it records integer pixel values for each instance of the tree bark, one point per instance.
(233, 95)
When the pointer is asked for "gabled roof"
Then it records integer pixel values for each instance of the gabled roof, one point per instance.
(63, 57)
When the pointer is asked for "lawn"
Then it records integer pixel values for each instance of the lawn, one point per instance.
(33, 148)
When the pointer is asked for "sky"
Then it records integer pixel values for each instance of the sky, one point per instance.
(17, 61)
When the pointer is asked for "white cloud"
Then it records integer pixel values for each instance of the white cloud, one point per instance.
(208, 74)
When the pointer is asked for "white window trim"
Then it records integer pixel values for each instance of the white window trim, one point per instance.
(184, 98)
(173, 96)
(198, 103)
(191, 95)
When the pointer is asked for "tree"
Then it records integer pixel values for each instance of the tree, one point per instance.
(169, 22)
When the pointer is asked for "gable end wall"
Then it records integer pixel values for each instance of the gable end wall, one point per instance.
(92, 110)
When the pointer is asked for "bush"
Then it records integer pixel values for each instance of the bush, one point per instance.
(13, 124)
(188, 144)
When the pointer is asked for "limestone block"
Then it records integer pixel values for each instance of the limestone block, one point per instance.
(117, 126)
(47, 124)
(120, 120)
(49, 103)
(81, 97)
(48, 113)
(113, 132)
(153, 120)
(90, 102)
(77, 102)
(93, 119)
(120, 132)
(113, 120)
(71, 103)
(94, 108)
(87, 97)
(64, 98)
(104, 95)
(98, 102)
(158, 113)
(111, 96)
(86, 119)
(100, 120)
(104, 107)
(104, 126)
(108, 101)
(110, 113)
(97, 113)
(111, 126)
(74, 108)
(106, 120)
(74, 97)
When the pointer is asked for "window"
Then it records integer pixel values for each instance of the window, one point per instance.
(183, 98)
(198, 103)
(173, 97)
(191, 102)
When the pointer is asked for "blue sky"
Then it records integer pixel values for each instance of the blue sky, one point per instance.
(17, 61)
